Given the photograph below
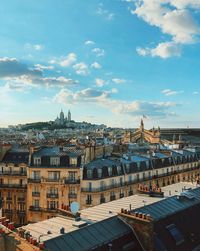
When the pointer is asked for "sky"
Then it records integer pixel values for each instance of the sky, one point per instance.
(108, 61)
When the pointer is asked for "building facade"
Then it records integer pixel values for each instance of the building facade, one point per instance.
(13, 185)
(110, 179)
(53, 182)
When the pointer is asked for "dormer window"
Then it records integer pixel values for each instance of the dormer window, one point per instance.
(89, 174)
(54, 161)
(73, 161)
(127, 168)
(110, 171)
(119, 169)
(37, 161)
(99, 170)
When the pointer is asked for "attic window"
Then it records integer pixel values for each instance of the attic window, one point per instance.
(175, 233)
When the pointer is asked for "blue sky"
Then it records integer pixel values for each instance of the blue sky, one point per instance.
(109, 61)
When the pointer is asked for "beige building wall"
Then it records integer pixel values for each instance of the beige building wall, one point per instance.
(45, 194)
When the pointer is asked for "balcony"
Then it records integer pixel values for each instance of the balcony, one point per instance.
(34, 180)
(21, 199)
(72, 181)
(8, 211)
(36, 194)
(13, 173)
(21, 212)
(55, 180)
(103, 188)
(72, 195)
(13, 186)
(35, 208)
(51, 210)
(52, 195)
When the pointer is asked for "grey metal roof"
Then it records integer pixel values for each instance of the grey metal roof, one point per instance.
(47, 151)
(89, 237)
(99, 163)
(171, 205)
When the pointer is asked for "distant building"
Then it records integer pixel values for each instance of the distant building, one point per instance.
(62, 120)
(141, 135)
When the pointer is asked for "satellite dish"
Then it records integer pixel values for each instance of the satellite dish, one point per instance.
(74, 207)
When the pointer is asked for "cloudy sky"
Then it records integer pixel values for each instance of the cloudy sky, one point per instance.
(108, 61)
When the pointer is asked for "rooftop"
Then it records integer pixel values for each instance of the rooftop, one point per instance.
(101, 212)
(171, 205)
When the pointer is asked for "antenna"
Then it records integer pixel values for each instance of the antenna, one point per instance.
(74, 207)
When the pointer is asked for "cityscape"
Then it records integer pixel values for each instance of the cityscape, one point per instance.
(99, 127)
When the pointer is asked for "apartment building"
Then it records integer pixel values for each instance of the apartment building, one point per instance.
(13, 184)
(53, 181)
(109, 179)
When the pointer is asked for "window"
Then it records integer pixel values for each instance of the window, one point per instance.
(89, 186)
(112, 182)
(54, 175)
(89, 199)
(54, 161)
(36, 203)
(149, 175)
(175, 233)
(99, 170)
(89, 174)
(121, 181)
(127, 168)
(119, 170)
(53, 190)
(102, 185)
(37, 161)
(36, 175)
(110, 171)
(72, 190)
(36, 189)
(72, 176)
(73, 161)
(52, 204)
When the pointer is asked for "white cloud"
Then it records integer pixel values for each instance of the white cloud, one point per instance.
(102, 98)
(163, 50)
(181, 4)
(37, 47)
(24, 83)
(119, 80)
(100, 82)
(89, 42)
(114, 90)
(43, 67)
(96, 65)
(138, 108)
(99, 52)
(81, 69)
(66, 96)
(69, 60)
(52, 61)
(19, 76)
(169, 92)
(195, 93)
(174, 19)
(101, 11)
